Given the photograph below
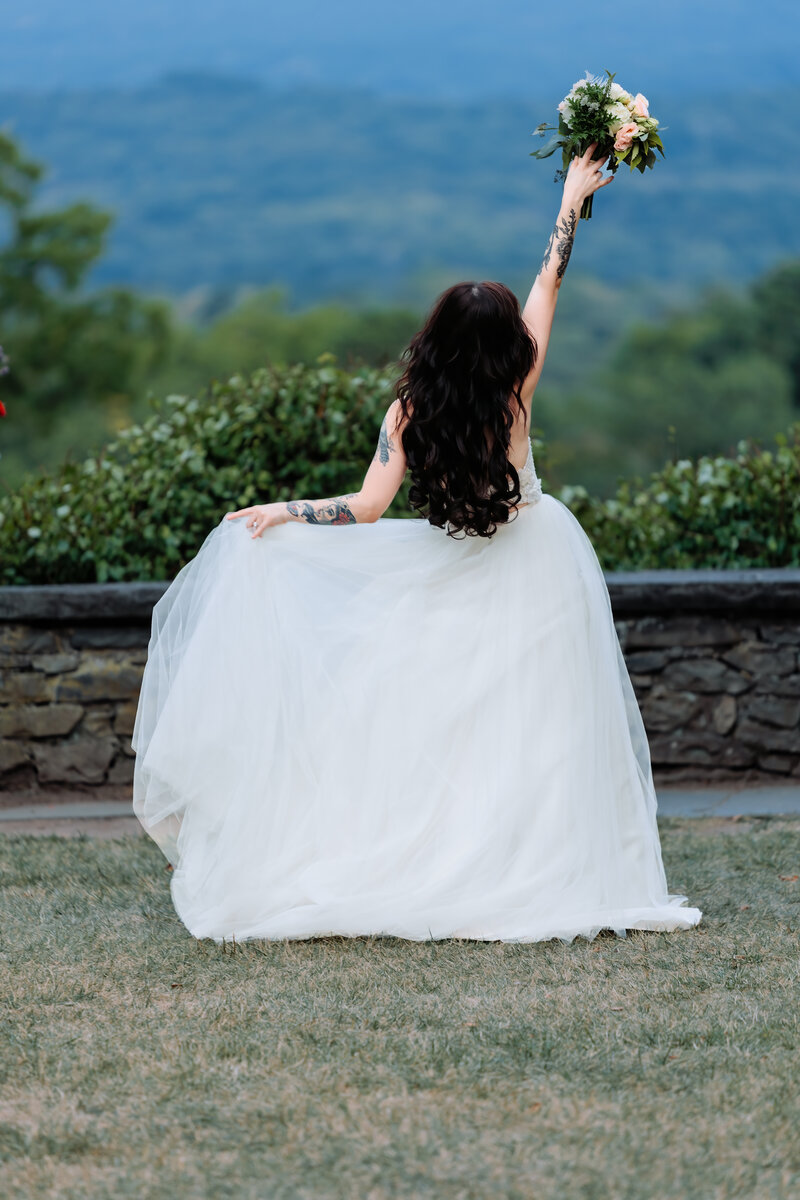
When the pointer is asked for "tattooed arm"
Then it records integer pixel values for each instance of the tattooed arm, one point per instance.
(559, 248)
(584, 177)
(381, 482)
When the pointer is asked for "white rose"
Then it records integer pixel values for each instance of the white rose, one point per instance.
(619, 114)
(618, 93)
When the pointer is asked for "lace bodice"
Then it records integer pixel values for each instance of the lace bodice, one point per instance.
(529, 483)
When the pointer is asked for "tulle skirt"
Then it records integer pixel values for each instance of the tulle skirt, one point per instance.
(377, 729)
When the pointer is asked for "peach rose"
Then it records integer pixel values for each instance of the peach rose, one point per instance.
(625, 135)
(640, 105)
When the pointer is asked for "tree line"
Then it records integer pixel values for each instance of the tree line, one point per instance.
(86, 363)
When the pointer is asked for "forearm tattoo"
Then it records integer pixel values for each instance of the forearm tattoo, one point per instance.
(561, 240)
(324, 512)
(385, 447)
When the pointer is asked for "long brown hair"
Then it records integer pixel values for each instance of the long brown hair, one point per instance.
(461, 370)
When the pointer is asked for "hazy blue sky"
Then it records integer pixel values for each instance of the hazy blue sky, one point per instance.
(441, 48)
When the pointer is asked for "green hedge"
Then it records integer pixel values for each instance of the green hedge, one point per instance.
(711, 512)
(141, 509)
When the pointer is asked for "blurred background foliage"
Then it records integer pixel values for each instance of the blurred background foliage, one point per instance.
(143, 506)
(352, 196)
(244, 228)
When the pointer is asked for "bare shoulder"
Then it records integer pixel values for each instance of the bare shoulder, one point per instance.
(394, 422)
(394, 419)
(390, 436)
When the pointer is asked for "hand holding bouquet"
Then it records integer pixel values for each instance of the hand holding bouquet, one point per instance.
(599, 110)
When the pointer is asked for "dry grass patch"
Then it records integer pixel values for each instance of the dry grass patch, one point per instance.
(137, 1062)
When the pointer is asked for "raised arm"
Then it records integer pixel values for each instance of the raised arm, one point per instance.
(584, 176)
(380, 486)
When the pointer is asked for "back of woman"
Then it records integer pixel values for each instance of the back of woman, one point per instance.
(351, 724)
(462, 411)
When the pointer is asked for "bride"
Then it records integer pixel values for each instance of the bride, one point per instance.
(356, 725)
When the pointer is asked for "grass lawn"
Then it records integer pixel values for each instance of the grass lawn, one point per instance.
(137, 1062)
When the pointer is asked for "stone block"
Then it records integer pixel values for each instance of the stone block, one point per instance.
(787, 685)
(101, 637)
(15, 661)
(18, 687)
(121, 770)
(664, 710)
(774, 710)
(758, 659)
(101, 677)
(703, 675)
(27, 639)
(723, 715)
(79, 760)
(125, 717)
(656, 632)
(700, 748)
(99, 719)
(781, 633)
(54, 664)
(765, 737)
(752, 591)
(39, 720)
(12, 755)
(76, 603)
(781, 764)
(645, 661)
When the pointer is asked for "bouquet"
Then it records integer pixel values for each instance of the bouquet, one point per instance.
(599, 110)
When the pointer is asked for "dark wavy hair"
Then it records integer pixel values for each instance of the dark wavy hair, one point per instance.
(460, 373)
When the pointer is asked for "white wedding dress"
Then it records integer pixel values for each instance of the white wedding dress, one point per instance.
(379, 729)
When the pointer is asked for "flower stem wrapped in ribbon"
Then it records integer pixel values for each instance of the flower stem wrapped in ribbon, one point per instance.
(599, 110)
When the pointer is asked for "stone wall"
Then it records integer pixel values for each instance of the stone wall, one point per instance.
(714, 658)
(71, 661)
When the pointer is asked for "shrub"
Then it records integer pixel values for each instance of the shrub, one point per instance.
(711, 512)
(141, 508)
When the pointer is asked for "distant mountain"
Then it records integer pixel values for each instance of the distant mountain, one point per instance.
(459, 49)
(347, 193)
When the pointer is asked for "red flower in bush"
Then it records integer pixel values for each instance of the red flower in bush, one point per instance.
(3, 371)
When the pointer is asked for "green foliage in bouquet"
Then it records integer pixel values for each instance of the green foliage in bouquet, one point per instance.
(141, 508)
(709, 512)
(600, 110)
